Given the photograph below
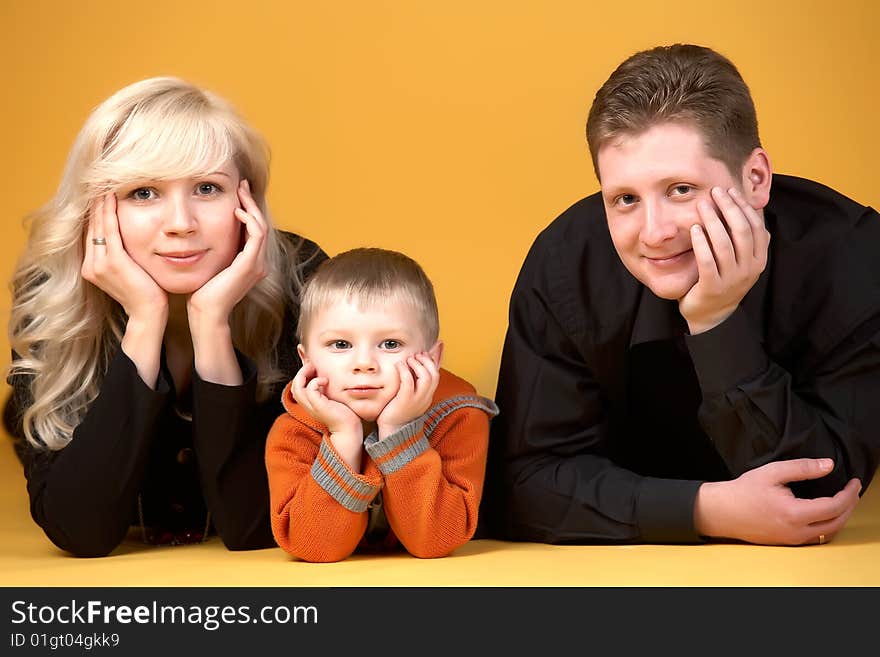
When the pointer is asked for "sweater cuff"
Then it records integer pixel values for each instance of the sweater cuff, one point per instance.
(333, 475)
(665, 510)
(727, 355)
(393, 452)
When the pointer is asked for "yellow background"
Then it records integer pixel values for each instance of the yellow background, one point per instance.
(452, 131)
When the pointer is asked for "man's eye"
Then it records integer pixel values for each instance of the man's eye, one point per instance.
(681, 190)
(206, 189)
(142, 194)
(390, 344)
(626, 199)
(340, 344)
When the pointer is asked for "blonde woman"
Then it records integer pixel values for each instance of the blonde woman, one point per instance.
(152, 328)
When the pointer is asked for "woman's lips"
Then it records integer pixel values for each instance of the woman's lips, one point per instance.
(182, 258)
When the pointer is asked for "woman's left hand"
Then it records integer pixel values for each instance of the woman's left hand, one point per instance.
(214, 301)
(209, 307)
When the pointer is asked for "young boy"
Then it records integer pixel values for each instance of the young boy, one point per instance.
(378, 445)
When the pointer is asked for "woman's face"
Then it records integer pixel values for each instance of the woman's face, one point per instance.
(182, 232)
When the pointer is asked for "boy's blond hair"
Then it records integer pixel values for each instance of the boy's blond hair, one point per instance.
(371, 277)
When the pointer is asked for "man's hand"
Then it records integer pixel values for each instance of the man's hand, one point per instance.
(419, 376)
(758, 506)
(345, 427)
(730, 253)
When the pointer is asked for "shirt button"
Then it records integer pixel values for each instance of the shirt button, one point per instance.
(184, 456)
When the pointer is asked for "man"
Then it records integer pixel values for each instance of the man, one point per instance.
(689, 355)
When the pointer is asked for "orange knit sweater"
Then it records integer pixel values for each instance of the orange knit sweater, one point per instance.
(430, 474)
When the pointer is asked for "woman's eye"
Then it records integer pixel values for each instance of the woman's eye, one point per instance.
(340, 344)
(390, 344)
(206, 189)
(142, 194)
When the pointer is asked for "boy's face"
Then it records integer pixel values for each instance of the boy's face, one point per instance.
(356, 349)
(651, 183)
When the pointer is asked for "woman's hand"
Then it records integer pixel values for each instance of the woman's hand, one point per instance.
(109, 267)
(215, 300)
(209, 307)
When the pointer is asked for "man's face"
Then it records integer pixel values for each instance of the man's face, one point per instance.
(651, 183)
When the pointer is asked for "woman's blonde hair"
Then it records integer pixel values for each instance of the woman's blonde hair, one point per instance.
(64, 330)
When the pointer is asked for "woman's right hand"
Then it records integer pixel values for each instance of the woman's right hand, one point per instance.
(109, 267)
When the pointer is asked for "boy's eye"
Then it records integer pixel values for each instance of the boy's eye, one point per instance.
(206, 189)
(390, 344)
(340, 344)
(142, 194)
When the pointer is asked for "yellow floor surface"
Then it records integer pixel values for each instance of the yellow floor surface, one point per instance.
(27, 558)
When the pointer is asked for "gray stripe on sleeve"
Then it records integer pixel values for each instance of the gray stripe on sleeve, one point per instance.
(448, 406)
(335, 489)
(380, 449)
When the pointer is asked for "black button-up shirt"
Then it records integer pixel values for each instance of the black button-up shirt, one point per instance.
(612, 415)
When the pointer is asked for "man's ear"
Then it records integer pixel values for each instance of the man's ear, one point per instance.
(302, 354)
(757, 178)
(436, 353)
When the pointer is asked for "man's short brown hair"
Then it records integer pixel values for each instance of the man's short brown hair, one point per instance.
(679, 83)
(370, 277)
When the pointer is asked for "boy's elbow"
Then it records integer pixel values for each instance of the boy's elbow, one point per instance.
(316, 553)
(430, 553)
(434, 549)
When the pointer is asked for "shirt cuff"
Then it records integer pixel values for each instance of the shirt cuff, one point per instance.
(221, 391)
(665, 510)
(122, 368)
(727, 355)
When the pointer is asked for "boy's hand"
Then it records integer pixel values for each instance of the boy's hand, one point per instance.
(419, 376)
(730, 258)
(346, 430)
